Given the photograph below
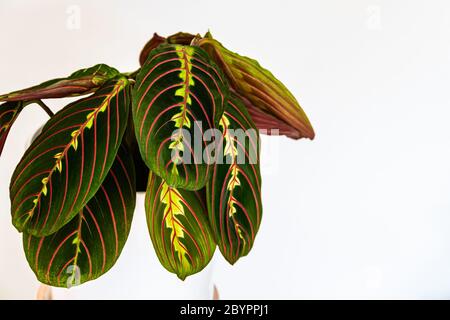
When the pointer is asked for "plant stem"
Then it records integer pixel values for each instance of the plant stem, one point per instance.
(45, 107)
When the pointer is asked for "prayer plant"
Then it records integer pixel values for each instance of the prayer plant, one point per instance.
(173, 129)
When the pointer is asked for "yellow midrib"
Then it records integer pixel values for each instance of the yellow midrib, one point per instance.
(174, 207)
(231, 150)
(181, 119)
(73, 143)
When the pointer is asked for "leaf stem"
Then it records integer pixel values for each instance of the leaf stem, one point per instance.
(45, 107)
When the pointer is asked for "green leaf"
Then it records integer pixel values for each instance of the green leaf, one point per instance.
(90, 244)
(129, 139)
(179, 94)
(80, 82)
(9, 112)
(178, 226)
(234, 190)
(67, 162)
(263, 91)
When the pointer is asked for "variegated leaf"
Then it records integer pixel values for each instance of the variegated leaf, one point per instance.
(178, 226)
(89, 245)
(67, 162)
(179, 94)
(234, 190)
(262, 89)
(80, 82)
(8, 114)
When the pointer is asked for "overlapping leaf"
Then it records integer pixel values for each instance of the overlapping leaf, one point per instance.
(178, 226)
(80, 82)
(89, 245)
(8, 114)
(262, 89)
(177, 38)
(183, 38)
(234, 191)
(129, 139)
(66, 164)
(153, 43)
(267, 123)
(179, 94)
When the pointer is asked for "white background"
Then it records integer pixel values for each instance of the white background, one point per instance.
(360, 212)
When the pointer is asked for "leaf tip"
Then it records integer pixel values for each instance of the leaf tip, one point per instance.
(231, 260)
(308, 133)
(182, 276)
